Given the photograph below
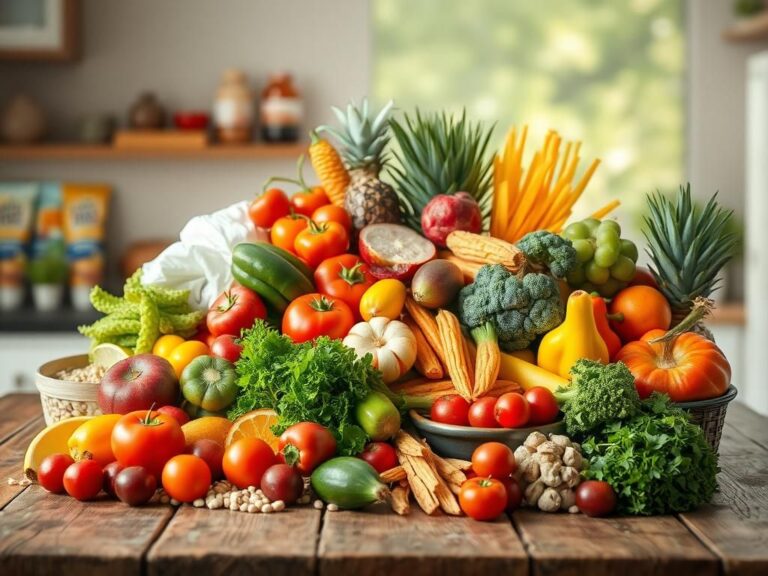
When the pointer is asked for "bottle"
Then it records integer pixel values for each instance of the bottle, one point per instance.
(233, 108)
(146, 113)
(282, 110)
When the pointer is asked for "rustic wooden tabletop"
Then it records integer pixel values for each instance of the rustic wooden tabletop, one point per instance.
(46, 534)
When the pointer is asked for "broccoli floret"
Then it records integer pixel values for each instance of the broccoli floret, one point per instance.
(547, 249)
(598, 394)
(520, 309)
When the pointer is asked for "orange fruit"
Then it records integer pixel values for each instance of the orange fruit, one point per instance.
(184, 353)
(255, 424)
(209, 427)
(165, 345)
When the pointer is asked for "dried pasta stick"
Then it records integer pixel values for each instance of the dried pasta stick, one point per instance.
(393, 475)
(427, 362)
(428, 325)
(399, 500)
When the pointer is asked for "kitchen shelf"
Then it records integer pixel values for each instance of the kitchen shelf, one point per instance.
(748, 29)
(728, 313)
(253, 151)
(27, 319)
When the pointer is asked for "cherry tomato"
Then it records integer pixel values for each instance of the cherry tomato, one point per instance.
(493, 459)
(345, 277)
(313, 315)
(202, 335)
(318, 242)
(135, 485)
(234, 310)
(595, 498)
(211, 452)
(246, 460)
(186, 477)
(450, 409)
(333, 213)
(50, 473)
(542, 406)
(111, 471)
(306, 445)
(268, 207)
(224, 346)
(147, 439)
(481, 413)
(514, 493)
(308, 200)
(511, 410)
(285, 230)
(83, 480)
(177, 413)
(483, 498)
(380, 455)
(282, 482)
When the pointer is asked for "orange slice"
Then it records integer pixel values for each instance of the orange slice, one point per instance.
(255, 424)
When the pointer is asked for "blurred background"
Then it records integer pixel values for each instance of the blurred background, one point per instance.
(663, 91)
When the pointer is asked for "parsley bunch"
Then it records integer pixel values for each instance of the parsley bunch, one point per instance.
(658, 462)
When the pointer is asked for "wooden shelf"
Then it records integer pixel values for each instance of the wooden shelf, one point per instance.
(89, 152)
(748, 29)
(728, 313)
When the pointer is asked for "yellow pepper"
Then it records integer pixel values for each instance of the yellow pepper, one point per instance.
(577, 337)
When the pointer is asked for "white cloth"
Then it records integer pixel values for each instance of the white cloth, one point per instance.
(201, 260)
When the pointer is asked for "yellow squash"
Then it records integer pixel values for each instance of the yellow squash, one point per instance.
(577, 337)
(520, 367)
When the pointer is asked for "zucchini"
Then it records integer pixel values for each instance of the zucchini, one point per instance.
(262, 262)
(349, 483)
(271, 296)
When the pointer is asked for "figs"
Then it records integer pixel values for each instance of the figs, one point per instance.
(437, 283)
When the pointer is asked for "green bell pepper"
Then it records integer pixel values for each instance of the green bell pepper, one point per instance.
(209, 383)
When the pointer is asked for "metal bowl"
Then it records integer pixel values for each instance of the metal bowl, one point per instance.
(460, 441)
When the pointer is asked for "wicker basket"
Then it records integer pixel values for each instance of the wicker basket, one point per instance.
(62, 399)
(710, 414)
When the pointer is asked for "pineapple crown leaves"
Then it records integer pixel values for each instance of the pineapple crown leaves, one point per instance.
(362, 138)
(440, 154)
(688, 245)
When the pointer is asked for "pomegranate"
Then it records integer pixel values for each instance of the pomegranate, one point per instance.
(448, 212)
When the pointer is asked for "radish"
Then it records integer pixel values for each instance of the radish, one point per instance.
(394, 251)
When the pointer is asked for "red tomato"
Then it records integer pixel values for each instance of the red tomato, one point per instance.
(147, 439)
(333, 213)
(450, 409)
(483, 498)
(50, 473)
(514, 493)
(210, 451)
(643, 277)
(595, 498)
(135, 485)
(306, 445)
(512, 410)
(246, 460)
(306, 201)
(481, 413)
(186, 477)
(285, 230)
(282, 482)
(83, 480)
(178, 414)
(203, 335)
(268, 207)
(345, 277)
(313, 315)
(318, 242)
(493, 459)
(380, 455)
(224, 346)
(234, 310)
(542, 406)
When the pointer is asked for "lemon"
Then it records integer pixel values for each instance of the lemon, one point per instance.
(106, 355)
(51, 440)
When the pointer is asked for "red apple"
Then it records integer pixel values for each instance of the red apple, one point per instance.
(176, 413)
(224, 346)
(138, 383)
(446, 213)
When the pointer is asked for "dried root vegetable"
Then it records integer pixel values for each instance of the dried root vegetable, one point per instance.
(399, 500)
(393, 475)
(438, 388)
(427, 362)
(485, 250)
(428, 325)
(487, 359)
(457, 358)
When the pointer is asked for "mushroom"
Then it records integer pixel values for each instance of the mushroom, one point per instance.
(534, 439)
(550, 474)
(549, 501)
(533, 492)
(572, 458)
(567, 497)
(550, 447)
(561, 440)
(570, 476)
(530, 470)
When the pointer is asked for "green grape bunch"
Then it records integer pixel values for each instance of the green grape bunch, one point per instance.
(606, 261)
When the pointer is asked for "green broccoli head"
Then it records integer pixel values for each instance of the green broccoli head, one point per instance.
(598, 394)
(551, 250)
(520, 309)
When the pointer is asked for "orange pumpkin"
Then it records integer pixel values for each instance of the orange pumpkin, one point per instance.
(682, 364)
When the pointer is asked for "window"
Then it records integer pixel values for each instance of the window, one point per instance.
(607, 73)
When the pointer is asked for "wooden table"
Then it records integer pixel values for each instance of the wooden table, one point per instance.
(46, 534)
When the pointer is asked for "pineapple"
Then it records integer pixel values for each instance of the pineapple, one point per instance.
(688, 246)
(361, 145)
(440, 155)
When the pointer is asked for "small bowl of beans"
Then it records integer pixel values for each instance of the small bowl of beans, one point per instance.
(69, 387)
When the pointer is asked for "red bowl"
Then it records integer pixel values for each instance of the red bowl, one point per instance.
(191, 120)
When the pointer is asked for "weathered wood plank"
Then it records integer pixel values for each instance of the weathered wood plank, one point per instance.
(379, 542)
(735, 525)
(12, 459)
(204, 541)
(748, 422)
(17, 410)
(41, 533)
(574, 544)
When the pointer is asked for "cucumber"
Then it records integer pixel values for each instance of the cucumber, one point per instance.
(272, 297)
(292, 258)
(262, 262)
(349, 483)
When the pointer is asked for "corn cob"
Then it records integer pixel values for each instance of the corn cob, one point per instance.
(485, 250)
(329, 169)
